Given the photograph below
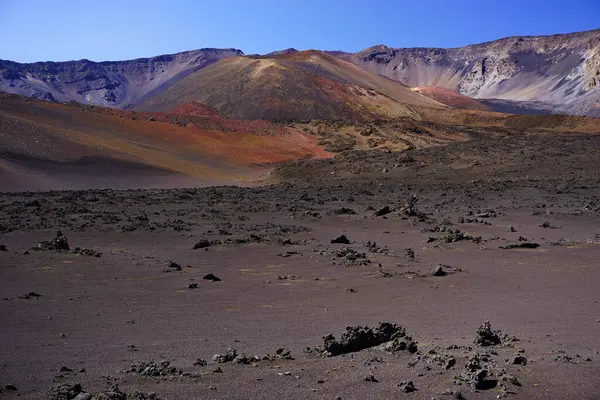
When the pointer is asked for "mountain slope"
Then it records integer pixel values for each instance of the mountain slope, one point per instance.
(560, 71)
(45, 145)
(110, 83)
(291, 85)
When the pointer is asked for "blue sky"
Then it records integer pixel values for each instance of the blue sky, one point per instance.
(39, 30)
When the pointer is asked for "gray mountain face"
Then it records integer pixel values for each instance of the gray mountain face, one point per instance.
(122, 84)
(559, 72)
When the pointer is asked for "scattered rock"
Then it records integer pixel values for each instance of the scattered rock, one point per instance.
(193, 286)
(10, 387)
(174, 266)
(407, 386)
(230, 355)
(439, 271)
(200, 362)
(511, 228)
(344, 211)
(211, 277)
(87, 252)
(30, 295)
(244, 359)
(382, 211)
(519, 360)
(63, 391)
(280, 354)
(486, 337)
(525, 245)
(59, 243)
(357, 338)
(370, 378)
(342, 239)
(202, 244)
(152, 368)
(3, 247)
(75, 392)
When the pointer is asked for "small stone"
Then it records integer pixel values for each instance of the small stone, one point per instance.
(370, 378)
(10, 387)
(211, 277)
(439, 271)
(382, 211)
(174, 266)
(519, 360)
(193, 286)
(200, 363)
(202, 244)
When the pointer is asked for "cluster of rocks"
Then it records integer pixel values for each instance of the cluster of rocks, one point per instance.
(60, 243)
(232, 355)
(455, 236)
(63, 391)
(348, 255)
(153, 368)
(391, 337)
(372, 247)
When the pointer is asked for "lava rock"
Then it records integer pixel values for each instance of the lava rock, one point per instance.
(59, 243)
(519, 360)
(525, 245)
(439, 271)
(342, 239)
(211, 277)
(202, 244)
(382, 211)
(357, 338)
(407, 386)
(485, 336)
(230, 355)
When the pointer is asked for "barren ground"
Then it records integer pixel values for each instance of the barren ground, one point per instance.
(284, 285)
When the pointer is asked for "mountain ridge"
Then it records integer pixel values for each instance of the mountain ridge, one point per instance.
(557, 73)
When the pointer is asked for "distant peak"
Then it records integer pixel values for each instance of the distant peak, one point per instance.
(281, 52)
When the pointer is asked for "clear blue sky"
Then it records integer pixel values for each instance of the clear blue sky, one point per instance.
(39, 30)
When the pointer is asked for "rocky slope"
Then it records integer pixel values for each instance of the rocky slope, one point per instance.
(120, 84)
(560, 73)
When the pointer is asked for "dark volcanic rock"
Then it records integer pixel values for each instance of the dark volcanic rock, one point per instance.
(30, 295)
(211, 277)
(407, 386)
(62, 391)
(174, 266)
(342, 239)
(202, 244)
(439, 271)
(486, 336)
(59, 243)
(525, 245)
(3, 247)
(357, 338)
(87, 252)
(230, 355)
(152, 368)
(382, 211)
